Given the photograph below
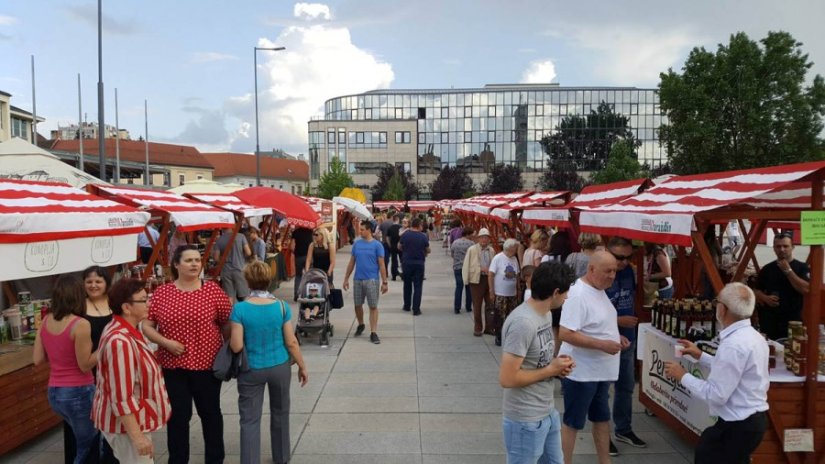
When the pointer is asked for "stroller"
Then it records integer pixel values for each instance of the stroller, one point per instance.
(313, 297)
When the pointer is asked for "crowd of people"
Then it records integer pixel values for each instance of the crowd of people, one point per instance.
(558, 314)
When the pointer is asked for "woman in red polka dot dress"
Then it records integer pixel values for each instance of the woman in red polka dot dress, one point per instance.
(188, 320)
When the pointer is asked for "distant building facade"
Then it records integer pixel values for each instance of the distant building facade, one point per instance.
(287, 174)
(425, 130)
(89, 131)
(14, 121)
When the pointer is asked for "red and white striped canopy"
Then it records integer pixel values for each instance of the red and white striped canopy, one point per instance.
(229, 202)
(590, 197)
(502, 213)
(185, 213)
(448, 204)
(422, 205)
(482, 204)
(41, 211)
(315, 203)
(664, 214)
(382, 205)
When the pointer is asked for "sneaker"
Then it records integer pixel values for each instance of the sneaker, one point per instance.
(416, 313)
(359, 330)
(374, 338)
(631, 439)
(613, 450)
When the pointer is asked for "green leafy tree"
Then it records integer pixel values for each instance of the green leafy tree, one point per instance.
(395, 188)
(561, 176)
(452, 183)
(744, 106)
(621, 165)
(503, 178)
(379, 190)
(585, 140)
(334, 180)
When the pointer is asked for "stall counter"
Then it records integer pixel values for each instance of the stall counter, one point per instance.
(24, 406)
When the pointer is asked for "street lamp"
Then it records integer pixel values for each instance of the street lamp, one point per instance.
(257, 138)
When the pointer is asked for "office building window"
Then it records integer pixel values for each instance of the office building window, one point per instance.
(331, 137)
(368, 113)
(402, 137)
(342, 136)
(468, 111)
(359, 137)
(445, 112)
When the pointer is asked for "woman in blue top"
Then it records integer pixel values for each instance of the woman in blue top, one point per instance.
(261, 324)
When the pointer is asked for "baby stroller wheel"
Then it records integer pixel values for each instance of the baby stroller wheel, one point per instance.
(331, 331)
(324, 339)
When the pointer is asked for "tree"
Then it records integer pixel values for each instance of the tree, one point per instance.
(503, 178)
(451, 183)
(744, 106)
(561, 176)
(395, 188)
(334, 180)
(621, 165)
(585, 140)
(410, 188)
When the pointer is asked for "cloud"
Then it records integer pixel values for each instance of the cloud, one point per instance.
(210, 57)
(451, 61)
(630, 54)
(539, 72)
(311, 11)
(87, 13)
(320, 62)
(6, 20)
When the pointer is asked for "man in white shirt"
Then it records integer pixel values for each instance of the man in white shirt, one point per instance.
(737, 388)
(590, 334)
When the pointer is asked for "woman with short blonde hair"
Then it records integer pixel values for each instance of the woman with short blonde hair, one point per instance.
(538, 244)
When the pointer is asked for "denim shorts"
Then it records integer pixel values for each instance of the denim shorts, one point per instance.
(585, 400)
(531, 442)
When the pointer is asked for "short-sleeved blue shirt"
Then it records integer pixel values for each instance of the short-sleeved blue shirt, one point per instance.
(263, 334)
(367, 253)
(621, 294)
(414, 246)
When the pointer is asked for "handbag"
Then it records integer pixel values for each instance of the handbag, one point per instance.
(336, 298)
(227, 364)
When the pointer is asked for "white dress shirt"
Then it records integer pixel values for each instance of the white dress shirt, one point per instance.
(737, 386)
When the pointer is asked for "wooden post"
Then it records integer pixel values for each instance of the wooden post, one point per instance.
(710, 266)
(157, 247)
(811, 317)
(751, 241)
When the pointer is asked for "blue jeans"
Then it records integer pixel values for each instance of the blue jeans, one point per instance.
(623, 401)
(461, 288)
(666, 293)
(413, 285)
(74, 405)
(533, 442)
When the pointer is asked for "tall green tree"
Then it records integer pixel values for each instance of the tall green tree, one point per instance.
(395, 188)
(410, 188)
(334, 180)
(561, 176)
(503, 178)
(451, 183)
(585, 140)
(745, 106)
(621, 165)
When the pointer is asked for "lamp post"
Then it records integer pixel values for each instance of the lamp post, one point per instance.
(257, 138)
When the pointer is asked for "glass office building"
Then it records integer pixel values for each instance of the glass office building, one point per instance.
(476, 128)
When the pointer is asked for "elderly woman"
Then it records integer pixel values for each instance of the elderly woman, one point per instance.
(131, 399)
(579, 260)
(503, 281)
(538, 244)
(64, 340)
(186, 320)
(321, 253)
(261, 325)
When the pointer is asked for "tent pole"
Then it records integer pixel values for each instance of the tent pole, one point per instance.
(812, 319)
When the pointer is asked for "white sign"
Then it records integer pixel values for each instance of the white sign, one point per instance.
(798, 440)
(670, 395)
(26, 260)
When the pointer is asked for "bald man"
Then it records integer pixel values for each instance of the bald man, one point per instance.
(589, 333)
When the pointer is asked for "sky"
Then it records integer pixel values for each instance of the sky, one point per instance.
(193, 60)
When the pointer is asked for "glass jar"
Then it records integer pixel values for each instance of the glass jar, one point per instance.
(795, 329)
(801, 365)
(800, 345)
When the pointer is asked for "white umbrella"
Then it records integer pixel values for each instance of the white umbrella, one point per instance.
(355, 208)
(21, 160)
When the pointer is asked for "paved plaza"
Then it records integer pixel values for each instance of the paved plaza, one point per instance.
(428, 394)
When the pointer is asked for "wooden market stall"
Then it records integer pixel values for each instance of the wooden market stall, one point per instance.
(475, 212)
(678, 212)
(49, 229)
(386, 205)
(168, 209)
(511, 213)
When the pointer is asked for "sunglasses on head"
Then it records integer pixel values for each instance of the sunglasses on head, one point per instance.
(621, 257)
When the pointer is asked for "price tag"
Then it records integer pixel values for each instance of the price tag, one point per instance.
(799, 440)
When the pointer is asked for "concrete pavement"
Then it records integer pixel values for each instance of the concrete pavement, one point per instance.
(428, 394)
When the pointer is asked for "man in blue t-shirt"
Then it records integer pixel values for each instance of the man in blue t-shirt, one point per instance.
(416, 246)
(622, 294)
(368, 262)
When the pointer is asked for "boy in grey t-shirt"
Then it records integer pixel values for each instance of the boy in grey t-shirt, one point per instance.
(530, 421)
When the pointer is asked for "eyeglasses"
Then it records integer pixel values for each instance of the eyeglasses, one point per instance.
(139, 301)
(621, 257)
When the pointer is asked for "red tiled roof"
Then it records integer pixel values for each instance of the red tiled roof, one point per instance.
(240, 164)
(133, 150)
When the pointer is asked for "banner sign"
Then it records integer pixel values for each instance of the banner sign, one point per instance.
(813, 227)
(670, 395)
